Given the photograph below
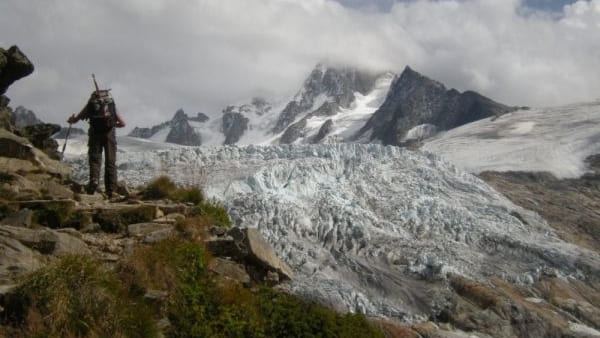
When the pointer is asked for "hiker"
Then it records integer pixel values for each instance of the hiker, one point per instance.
(103, 117)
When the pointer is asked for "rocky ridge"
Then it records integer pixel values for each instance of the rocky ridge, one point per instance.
(178, 129)
(343, 104)
(415, 100)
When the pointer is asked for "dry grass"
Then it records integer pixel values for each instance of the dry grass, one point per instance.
(76, 297)
(395, 330)
(478, 294)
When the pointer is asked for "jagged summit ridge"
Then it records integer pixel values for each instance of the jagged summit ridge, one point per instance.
(342, 104)
(415, 100)
(363, 226)
(325, 84)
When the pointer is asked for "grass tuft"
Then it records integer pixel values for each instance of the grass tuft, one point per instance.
(213, 211)
(163, 187)
(75, 297)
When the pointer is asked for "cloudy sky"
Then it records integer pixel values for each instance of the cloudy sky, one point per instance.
(201, 55)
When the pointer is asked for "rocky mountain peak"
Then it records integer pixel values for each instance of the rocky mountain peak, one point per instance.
(415, 100)
(325, 84)
(24, 117)
(179, 116)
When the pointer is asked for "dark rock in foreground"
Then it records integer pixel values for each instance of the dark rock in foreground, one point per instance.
(14, 65)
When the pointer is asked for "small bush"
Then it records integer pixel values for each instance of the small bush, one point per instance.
(77, 298)
(214, 211)
(191, 194)
(160, 187)
(194, 228)
(163, 187)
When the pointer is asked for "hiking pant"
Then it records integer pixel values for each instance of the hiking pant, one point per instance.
(98, 142)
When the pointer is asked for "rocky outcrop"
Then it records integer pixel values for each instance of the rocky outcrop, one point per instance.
(325, 129)
(415, 100)
(248, 247)
(181, 132)
(18, 155)
(40, 135)
(293, 132)
(234, 125)
(14, 65)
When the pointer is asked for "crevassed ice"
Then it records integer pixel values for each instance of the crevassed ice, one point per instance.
(368, 228)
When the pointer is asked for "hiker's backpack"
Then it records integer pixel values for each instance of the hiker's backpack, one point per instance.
(102, 111)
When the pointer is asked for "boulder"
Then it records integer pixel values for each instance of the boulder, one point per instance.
(229, 270)
(116, 218)
(40, 135)
(45, 241)
(247, 246)
(69, 243)
(260, 252)
(13, 147)
(16, 259)
(21, 218)
(150, 232)
(13, 66)
(225, 247)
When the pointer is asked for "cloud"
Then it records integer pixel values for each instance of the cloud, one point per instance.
(201, 55)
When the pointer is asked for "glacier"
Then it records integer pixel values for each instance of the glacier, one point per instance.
(367, 228)
(553, 139)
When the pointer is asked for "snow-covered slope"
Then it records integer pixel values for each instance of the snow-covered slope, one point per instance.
(554, 139)
(369, 228)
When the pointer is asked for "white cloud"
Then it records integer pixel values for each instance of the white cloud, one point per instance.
(204, 54)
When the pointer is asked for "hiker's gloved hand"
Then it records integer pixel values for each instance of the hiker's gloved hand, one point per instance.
(72, 119)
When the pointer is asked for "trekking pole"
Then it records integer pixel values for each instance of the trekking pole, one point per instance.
(62, 154)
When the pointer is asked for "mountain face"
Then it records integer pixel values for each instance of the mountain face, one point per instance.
(179, 130)
(24, 117)
(324, 92)
(415, 101)
(337, 104)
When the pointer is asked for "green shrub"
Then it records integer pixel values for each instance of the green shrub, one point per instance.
(163, 187)
(289, 316)
(214, 211)
(75, 297)
(160, 187)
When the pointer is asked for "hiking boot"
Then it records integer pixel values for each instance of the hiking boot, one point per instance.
(90, 189)
(114, 197)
